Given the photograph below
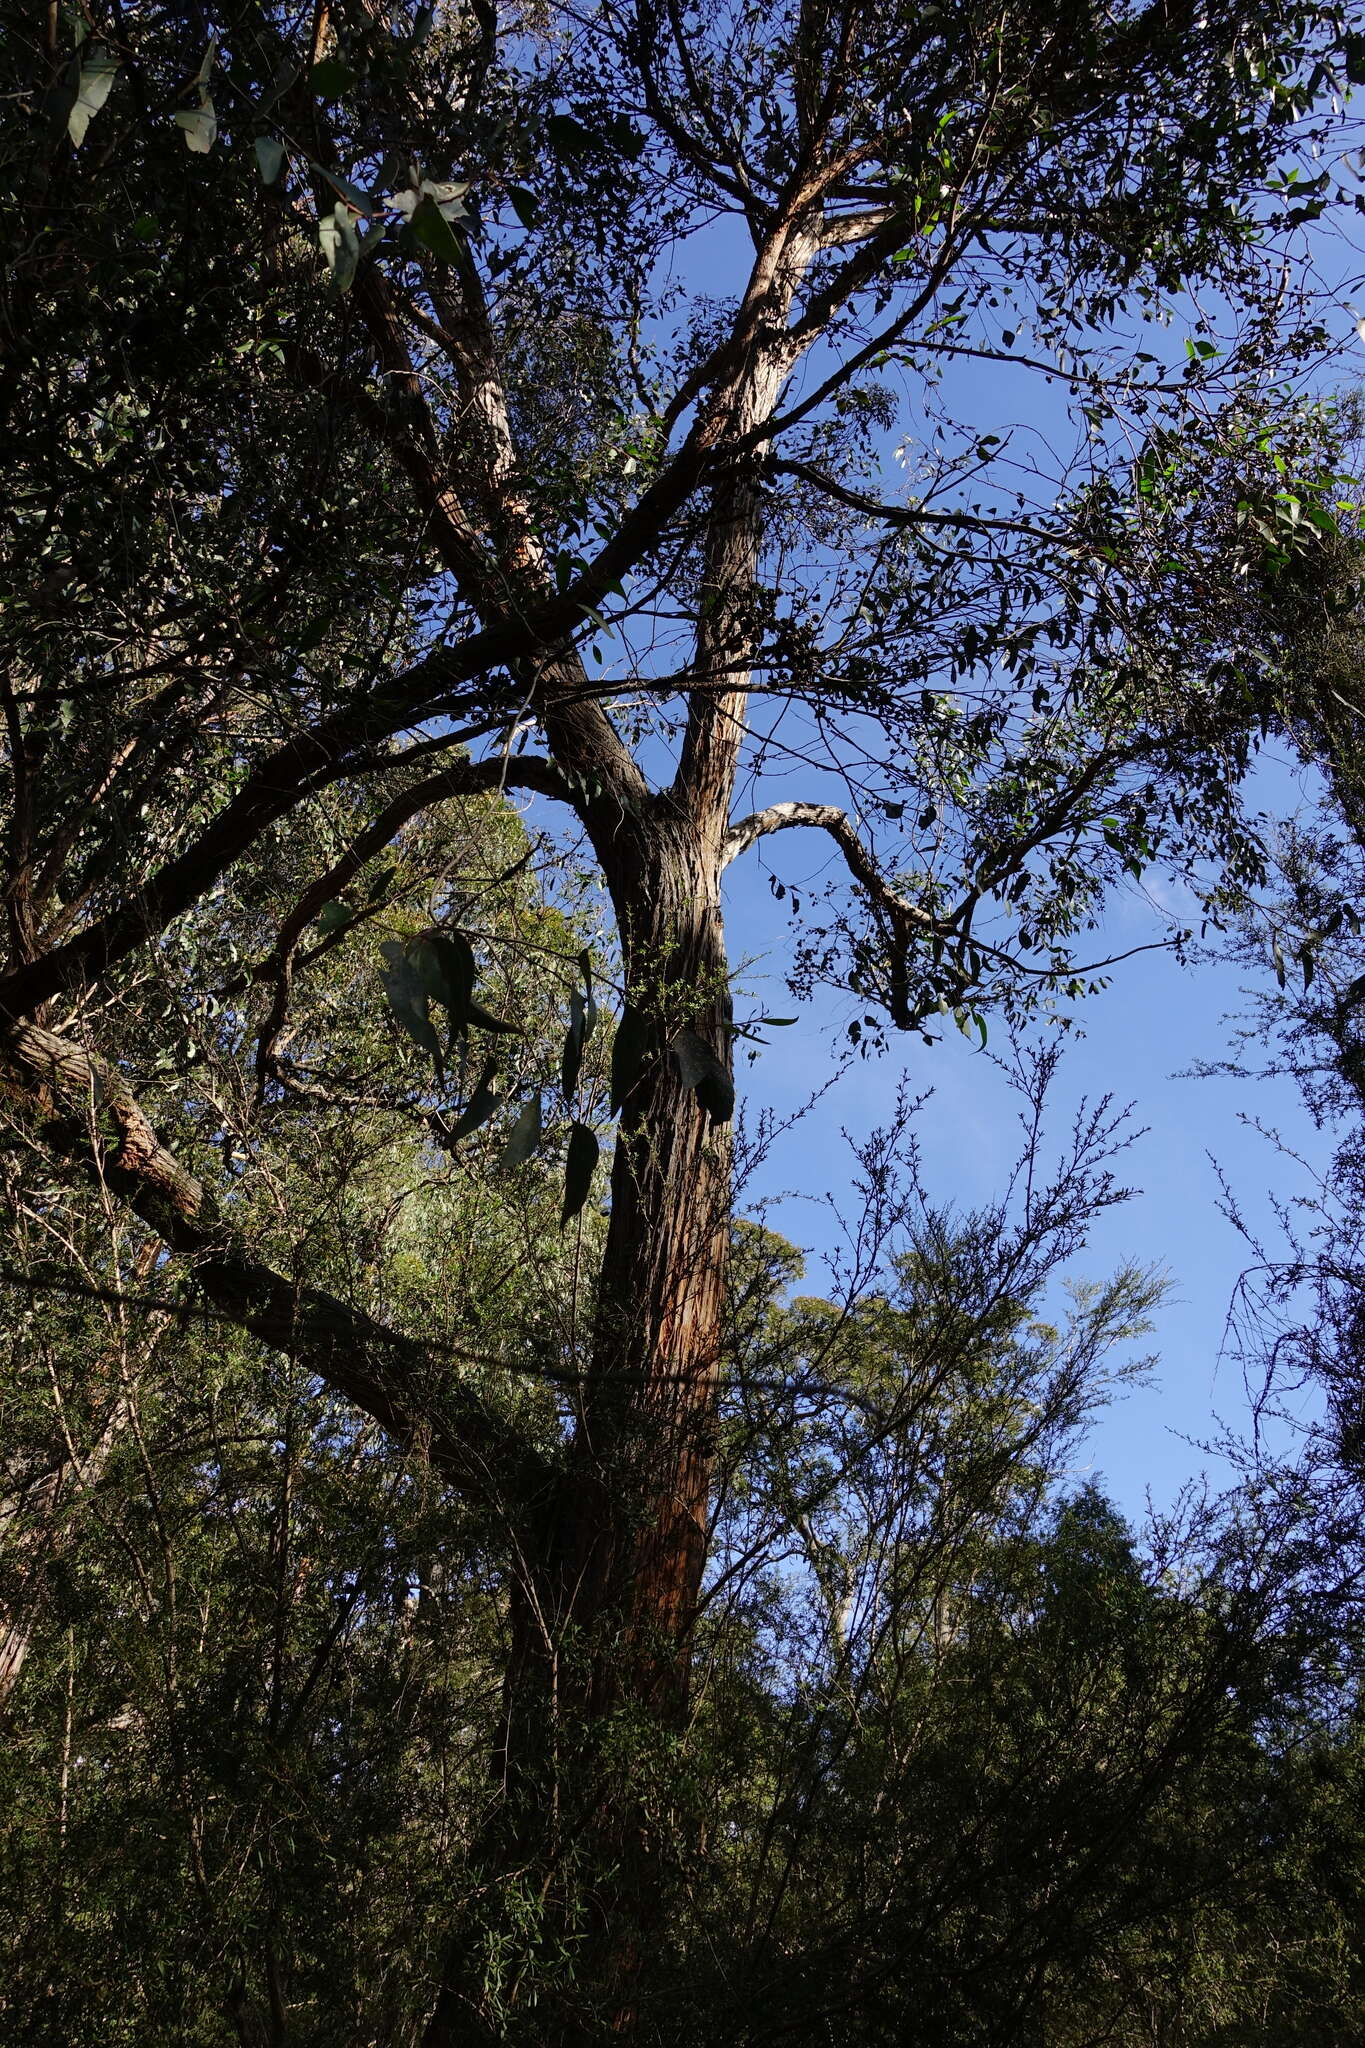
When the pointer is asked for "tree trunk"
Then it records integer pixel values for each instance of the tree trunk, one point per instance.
(606, 1587)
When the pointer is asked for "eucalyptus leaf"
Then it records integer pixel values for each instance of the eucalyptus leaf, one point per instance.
(408, 998)
(629, 1052)
(340, 245)
(269, 157)
(332, 77)
(524, 1136)
(433, 230)
(445, 965)
(582, 1019)
(97, 75)
(479, 1107)
(334, 915)
(703, 1074)
(579, 1168)
(486, 1021)
(200, 125)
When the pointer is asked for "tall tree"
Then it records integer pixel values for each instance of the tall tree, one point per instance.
(369, 381)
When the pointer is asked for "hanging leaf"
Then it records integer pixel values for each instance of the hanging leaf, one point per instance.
(479, 1107)
(579, 1168)
(448, 198)
(523, 1137)
(200, 125)
(97, 75)
(279, 84)
(201, 76)
(433, 230)
(408, 998)
(340, 245)
(446, 965)
(525, 205)
(570, 138)
(333, 916)
(358, 201)
(486, 1021)
(269, 157)
(629, 1052)
(582, 1019)
(332, 77)
(700, 1071)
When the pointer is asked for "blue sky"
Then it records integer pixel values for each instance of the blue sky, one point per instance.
(1136, 1043)
(1153, 1022)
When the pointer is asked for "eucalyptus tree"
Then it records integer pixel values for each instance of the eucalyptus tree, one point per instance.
(407, 408)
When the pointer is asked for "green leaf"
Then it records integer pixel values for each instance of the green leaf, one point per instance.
(446, 965)
(569, 136)
(486, 1021)
(434, 231)
(97, 75)
(334, 915)
(582, 1019)
(579, 1167)
(626, 139)
(358, 201)
(524, 1135)
(446, 968)
(200, 125)
(408, 998)
(269, 157)
(703, 1074)
(332, 77)
(629, 1053)
(340, 245)
(524, 204)
(479, 1107)
(279, 85)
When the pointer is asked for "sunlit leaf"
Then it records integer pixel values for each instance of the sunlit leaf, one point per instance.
(524, 1135)
(97, 76)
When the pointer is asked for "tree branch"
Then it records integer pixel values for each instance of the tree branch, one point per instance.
(86, 1112)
